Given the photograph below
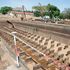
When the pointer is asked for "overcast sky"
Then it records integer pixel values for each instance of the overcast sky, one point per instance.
(61, 4)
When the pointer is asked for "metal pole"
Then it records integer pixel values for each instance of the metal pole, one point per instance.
(14, 40)
(17, 57)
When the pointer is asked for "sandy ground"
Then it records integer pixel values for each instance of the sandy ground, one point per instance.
(7, 62)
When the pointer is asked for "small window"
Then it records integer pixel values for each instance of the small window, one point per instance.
(60, 48)
(65, 46)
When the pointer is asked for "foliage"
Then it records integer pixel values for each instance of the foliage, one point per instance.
(39, 10)
(37, 13)
(50, 10)
(61, 16)
(66, 13)
(0, 11)
(5, 9)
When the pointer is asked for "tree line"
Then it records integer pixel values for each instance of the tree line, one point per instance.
(41, 11)
(5, 9)
(51, 11)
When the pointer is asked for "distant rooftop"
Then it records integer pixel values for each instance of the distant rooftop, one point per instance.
(18, 9)
(28, 13)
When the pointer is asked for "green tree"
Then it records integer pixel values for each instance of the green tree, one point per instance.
(39, 10)
(5, 9)
(37, 13)
(66, 13)
(52, 11)
(61, 16)
(49, 10)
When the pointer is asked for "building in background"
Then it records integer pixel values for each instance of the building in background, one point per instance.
(19, 13)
